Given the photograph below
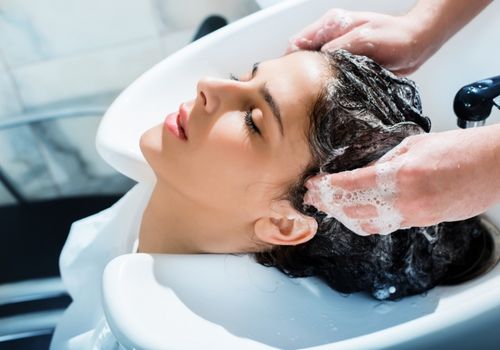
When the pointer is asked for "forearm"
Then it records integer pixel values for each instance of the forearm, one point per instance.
(439, 20)
(484, 145)
(494, 137)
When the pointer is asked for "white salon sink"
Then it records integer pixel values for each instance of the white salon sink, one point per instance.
(230, 302)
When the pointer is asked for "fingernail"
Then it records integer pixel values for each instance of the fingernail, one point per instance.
(298, 43)
(303, 42)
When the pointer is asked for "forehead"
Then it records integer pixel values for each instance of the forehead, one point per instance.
(297, 78)
(295, 82)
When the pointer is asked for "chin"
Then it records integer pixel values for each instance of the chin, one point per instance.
(150, 144)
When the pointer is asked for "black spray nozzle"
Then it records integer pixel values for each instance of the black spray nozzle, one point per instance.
(209, 25)
(473, 102)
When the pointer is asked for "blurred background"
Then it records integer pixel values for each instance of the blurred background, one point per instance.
(62, 63)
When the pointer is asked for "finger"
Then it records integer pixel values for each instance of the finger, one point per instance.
(315, 200)
(333, 24)
(312, 197)
(366, 211)
(354, 180)
(370, 229)
(403, 72)
(395, 152)
(303, 40)
(297, 44)
(355, 42)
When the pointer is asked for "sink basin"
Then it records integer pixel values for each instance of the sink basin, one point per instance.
(231, 302)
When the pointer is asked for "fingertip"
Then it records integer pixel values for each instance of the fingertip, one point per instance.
(328, 48)
(312, 182)
(312, 199)
(290, 49)
(308, 199)
(353, 180)
(292, 45)
(308, 184)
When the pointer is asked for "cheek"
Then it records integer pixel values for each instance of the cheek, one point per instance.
(229, 155)
(220, 167)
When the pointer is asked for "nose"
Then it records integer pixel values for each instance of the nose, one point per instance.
(212, 93)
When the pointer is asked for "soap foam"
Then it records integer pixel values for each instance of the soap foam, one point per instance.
(381, 197)
(340, 19)
(384, 293)
(333, 27)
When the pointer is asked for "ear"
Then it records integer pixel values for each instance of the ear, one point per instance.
(285, 226)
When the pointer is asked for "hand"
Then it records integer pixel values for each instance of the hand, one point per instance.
(393, 41)
(427, 179)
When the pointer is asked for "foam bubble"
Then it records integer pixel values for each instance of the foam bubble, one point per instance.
(381, 197)
(341, 19)
(333, 27)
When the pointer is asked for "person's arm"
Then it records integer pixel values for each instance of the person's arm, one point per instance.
(427, 179)
(400, 43)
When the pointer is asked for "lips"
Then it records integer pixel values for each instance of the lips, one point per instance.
(176, 123)
(182, 119)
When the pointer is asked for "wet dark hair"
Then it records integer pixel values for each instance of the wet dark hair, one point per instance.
(362, 112)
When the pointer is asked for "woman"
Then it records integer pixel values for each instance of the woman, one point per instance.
(230, 168)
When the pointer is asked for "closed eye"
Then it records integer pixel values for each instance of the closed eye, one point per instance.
(250, 124)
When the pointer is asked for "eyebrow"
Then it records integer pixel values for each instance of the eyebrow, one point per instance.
(266, 94)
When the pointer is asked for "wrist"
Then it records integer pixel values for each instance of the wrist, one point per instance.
(496, 160)
(441, 19)
(489, 138)
(429, 33)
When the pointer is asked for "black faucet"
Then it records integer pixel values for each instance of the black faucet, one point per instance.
(473, 102)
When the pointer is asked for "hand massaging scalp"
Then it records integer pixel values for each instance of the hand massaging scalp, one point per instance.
(388, 217)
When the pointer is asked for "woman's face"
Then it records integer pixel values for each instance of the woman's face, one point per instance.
(246, 139)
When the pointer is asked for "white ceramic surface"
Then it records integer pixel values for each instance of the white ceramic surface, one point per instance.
(229, 302)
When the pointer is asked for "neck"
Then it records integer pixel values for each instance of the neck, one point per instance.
(172, 223)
